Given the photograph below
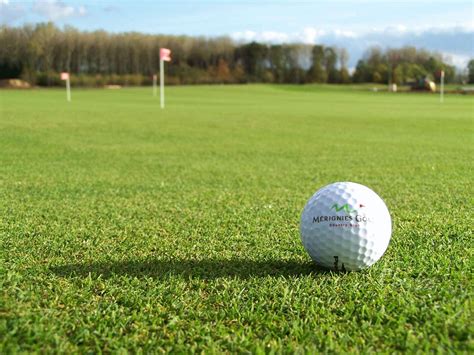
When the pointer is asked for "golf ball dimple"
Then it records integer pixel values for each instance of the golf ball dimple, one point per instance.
(345, 226)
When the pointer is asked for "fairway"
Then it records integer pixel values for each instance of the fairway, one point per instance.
(127, 227)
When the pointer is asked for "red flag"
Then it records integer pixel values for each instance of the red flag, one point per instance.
(165, 54)
(64, 76)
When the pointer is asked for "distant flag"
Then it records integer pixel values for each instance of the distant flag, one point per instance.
(165, 56)
(65, 76)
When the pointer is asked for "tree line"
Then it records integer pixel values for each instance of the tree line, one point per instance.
(402, 66)
(37, 53)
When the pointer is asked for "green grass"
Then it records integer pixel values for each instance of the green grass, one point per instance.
(126, 227)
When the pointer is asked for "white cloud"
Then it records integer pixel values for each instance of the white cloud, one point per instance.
(420, 29)
(397, 30)
(345, 33)
(455, 41)
(308, 35)
(56, 9)
(272, 36)
(81, 10)
(265, 36)
(245, 36)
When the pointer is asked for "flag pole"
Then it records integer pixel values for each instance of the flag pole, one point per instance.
(162, 83)
(164, 57)
(441, 93)
(68, 89)
(154, 85)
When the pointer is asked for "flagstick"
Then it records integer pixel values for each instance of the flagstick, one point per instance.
(162, 83)
(68, 90)
(154, 85)
(441, 96)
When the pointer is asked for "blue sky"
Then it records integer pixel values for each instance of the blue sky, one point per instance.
(445, 26)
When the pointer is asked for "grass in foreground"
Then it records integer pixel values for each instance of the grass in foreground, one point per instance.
(124, 226)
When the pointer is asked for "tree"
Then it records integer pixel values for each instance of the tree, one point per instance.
(330, 62)
(253, 56)
(401, 66)
(11, 64)
(397, 75)
(362, 72)
(317, 72)
(223, 71)
(343, 56)
(470, 69)
(37, 53)
(277, 63)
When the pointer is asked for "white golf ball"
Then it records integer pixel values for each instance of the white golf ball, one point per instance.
(345, 226)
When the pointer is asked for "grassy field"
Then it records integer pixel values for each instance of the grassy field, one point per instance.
(126, 227)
